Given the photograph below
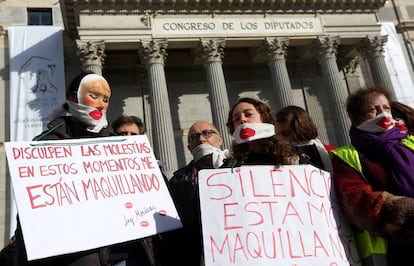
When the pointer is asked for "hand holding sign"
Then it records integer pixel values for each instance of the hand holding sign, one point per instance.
(109, 187)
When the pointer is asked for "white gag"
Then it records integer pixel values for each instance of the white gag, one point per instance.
(252, 131)
(381, 123)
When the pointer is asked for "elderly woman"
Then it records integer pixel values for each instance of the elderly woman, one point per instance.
(362, 184)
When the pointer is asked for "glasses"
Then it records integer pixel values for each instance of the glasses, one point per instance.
(205, 133)
(126, 133)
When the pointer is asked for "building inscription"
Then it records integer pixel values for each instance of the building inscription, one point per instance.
(227, 27)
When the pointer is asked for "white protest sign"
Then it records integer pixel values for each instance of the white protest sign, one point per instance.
(262, 215)
(75, 195)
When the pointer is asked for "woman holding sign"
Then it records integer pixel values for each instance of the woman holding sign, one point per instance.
(84, 116)
(252, 124)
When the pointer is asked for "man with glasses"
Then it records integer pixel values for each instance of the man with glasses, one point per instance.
(185, 246)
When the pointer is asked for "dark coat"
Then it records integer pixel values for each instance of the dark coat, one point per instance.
(66, 127)
(8, 255)
(184, 246)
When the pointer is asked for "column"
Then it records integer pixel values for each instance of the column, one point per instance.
(92, 55)
(212, 52)
(336, 94)
(372, 48)
(153, 54)
(276, 52)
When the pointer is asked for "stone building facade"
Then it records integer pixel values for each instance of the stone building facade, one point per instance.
(174, 62)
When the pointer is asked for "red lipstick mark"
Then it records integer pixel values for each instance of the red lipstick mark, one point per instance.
(247, 133)
(96, 114)
(128, 205)
(144, 223)
(385, 123)
(163, 212)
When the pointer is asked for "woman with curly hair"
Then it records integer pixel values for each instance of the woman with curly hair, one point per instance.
(252, 124)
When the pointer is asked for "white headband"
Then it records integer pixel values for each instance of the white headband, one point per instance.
(252, 131)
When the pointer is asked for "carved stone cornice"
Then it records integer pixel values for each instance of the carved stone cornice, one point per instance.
(153, 51)
(211, 50)
(73, 9)
(226, 5)
(91, 52)
(373, 46)
(275, 48)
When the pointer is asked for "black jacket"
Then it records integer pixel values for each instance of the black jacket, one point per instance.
(68, 127)
(184, 246)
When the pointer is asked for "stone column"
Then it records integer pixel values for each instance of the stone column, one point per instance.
(212, 52)
(92, 55)
(276, 51)
(153, 54)
(372, 48)
(336, 94)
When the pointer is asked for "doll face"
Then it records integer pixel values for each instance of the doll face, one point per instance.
(95, 93)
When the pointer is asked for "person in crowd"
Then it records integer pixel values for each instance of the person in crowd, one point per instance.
(185, 246)
(296, 126)
(404, 115)
(8, 253)
(383, 220)
(381, 138)
(252, 124)
(136, 252)
(84, 116)
(128, 125)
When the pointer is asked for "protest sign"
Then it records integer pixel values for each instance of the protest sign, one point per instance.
(75, 195)
(262, 215)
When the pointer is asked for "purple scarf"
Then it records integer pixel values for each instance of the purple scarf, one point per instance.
(387, 149)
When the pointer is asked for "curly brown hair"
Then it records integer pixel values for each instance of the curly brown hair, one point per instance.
(278, 149)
